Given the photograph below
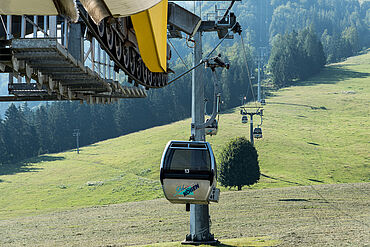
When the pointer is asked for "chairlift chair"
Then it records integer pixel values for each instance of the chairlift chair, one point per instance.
(188, 172)
(257, 133)
(244, 119)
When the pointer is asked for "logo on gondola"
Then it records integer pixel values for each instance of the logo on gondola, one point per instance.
(188, 190)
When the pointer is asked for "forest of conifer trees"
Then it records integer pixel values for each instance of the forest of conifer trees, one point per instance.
(301, 36)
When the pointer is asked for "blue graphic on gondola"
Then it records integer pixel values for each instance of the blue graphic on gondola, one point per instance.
(188, 190)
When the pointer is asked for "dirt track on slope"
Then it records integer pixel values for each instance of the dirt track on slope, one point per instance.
(322, 215)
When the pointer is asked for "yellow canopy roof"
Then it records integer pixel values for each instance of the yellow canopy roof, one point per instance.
(151, 34)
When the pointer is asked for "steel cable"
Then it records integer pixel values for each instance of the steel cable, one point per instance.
(203, 59)
(246, 61)
(178, 54)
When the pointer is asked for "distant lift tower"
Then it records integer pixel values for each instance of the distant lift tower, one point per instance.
(199, 213)
(76, 133)
(251, 111)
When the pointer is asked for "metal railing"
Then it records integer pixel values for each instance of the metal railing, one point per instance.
(56, 27)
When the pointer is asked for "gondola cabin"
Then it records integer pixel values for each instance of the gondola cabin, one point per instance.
(188, 172)
(244, 119)
(257, 133)
(212, 129)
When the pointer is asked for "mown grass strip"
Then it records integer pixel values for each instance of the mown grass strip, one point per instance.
(236, 242)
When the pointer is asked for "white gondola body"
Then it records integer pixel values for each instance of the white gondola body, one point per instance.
(183, 191)
(190, 185)
(257, 136)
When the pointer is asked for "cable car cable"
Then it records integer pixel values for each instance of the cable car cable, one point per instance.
(4, 26)
(178, 54)
(228, 10)
(246, 61)
(205, 59)
(219, 43)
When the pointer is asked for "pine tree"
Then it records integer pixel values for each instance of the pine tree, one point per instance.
(42, 125)
(3, 152)
(60, 126)
(19, 135)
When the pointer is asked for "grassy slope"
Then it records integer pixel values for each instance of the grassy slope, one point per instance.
(126, 168)
(321, 215)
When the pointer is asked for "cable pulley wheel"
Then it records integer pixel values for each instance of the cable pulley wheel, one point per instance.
(101, 29)
(150, 78)
(139, 69)
(123, 54)
(145, 73)
(155, 79)
(164, 78)
(132, 59)
(118, 44)
(126, 57)
(159, 79)
(110, 37)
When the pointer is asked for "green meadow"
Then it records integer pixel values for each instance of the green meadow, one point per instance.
(315, 132)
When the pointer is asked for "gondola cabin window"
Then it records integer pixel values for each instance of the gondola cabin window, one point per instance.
(188, 159)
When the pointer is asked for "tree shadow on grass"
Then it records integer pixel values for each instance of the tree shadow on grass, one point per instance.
(225, 245)
(26, 165)
(329, 75)
(282, 180)
(228, 111)
(292, 104)
(293, 200)
(333, 74)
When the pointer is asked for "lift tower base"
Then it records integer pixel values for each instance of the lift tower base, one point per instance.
(209, 242)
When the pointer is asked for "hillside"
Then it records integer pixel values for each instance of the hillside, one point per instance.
(315, 132)
(321, 215)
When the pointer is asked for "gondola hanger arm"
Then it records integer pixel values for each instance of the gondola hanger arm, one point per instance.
(216, 63)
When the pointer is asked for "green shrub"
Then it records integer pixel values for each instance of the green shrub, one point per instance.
(239, 164)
